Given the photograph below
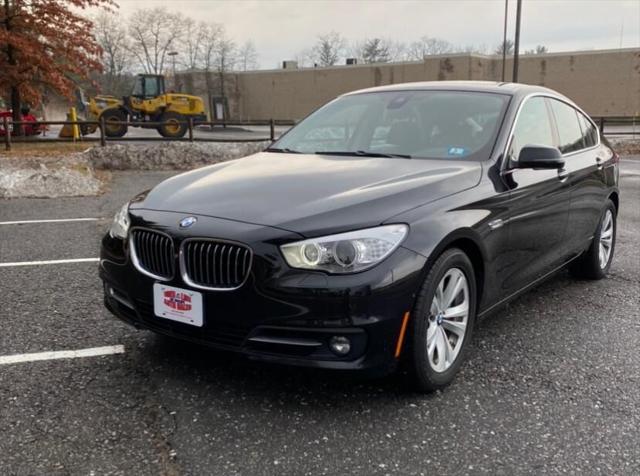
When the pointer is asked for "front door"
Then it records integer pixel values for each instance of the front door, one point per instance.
(538, 203)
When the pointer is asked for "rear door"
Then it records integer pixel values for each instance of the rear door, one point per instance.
(578, 140)
(538, 203)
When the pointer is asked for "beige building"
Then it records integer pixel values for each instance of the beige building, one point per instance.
(604, 82)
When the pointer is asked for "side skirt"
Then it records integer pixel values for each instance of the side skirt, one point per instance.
(494, 307)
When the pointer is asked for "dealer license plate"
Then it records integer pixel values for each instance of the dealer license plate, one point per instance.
(177, 304)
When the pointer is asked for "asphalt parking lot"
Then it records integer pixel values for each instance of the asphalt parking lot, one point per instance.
(552, 384)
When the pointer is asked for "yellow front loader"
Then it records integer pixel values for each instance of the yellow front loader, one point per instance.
(148, 103)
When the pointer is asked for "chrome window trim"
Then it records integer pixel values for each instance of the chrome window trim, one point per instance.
(506, 159)
(183, 269)
(134, 256)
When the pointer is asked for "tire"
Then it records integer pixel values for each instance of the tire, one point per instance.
(428, 371)
(590, 265)
(174, 127)
(86, 129)
(112, 116)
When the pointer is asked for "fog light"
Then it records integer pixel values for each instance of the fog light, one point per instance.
(340, 345)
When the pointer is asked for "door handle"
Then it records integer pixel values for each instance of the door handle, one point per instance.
(599, 163)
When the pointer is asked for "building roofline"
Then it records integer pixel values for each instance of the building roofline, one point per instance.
(492, 57)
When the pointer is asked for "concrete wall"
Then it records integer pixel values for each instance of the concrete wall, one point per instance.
(604, 83)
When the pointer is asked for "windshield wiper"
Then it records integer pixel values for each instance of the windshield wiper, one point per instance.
(286, 150)
(363, 153)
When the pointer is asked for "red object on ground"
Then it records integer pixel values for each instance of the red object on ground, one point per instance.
(30, 129)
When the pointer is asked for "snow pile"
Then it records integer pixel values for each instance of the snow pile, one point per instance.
(73, 175)
(169, 155)
(48, 182)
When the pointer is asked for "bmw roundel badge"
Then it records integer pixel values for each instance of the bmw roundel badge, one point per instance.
(187, 222)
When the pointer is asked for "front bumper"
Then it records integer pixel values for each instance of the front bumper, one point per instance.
(280, 314)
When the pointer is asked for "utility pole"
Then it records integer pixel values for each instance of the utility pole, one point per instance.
(516, 49)
(173, 55)
(504, 39)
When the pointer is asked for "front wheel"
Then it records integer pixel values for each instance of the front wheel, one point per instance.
(115, 122)
(443, 321)
(596, 261)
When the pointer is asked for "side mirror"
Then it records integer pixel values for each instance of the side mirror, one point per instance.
(539, 157)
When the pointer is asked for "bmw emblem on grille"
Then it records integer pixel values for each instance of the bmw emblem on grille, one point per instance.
(187, 222)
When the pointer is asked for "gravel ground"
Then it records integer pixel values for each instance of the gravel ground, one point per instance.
(550, 387)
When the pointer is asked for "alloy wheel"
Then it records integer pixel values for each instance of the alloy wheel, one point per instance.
(606, 239)
(448, 318)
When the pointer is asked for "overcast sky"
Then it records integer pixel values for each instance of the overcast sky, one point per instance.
(280, 29)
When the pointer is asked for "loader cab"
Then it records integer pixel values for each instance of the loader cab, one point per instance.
(148, 86)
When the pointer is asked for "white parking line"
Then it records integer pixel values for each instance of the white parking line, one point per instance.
(59, 220)
(62, 354)
(55, 261)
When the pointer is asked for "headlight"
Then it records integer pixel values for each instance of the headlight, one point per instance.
(121, 222)
(346, 252)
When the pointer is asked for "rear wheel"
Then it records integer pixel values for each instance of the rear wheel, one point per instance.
(442, 321)
(174, 125)
(112, 123)
(596, 261)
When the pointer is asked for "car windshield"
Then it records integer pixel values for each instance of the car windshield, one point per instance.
(410, 124)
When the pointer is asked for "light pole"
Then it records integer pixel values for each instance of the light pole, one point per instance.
(173, 55)
(516, 47)
(504, 38)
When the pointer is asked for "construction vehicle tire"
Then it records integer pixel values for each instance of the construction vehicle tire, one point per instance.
(86, 129)
(111, 119)
(174, 125)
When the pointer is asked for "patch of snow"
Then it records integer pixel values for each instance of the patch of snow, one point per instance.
(169, 155)
(46, 182)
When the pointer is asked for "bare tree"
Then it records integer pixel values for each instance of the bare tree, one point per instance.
(397, 50)
(218, 58)
(193, 43)
(154, 33)
(304, 58)
(426, 46)
(373, 50)
(247, 56)
(329, 49)
(212, 35)
(480, 49)
(111, 35)
(506, 46)
(538, 50)
(225, 59)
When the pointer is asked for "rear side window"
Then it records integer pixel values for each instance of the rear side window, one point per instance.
(569, 131)
(589, 131)
(533, 127)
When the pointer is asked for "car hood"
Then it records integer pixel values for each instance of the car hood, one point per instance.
(310, 194)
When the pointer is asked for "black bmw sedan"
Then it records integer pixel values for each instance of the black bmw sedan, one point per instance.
(374, 233)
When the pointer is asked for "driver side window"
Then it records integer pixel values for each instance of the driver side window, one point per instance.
(533, 127)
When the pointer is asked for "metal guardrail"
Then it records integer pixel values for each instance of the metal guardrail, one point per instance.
(103, 138)
(9, 125)
(634, 122)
